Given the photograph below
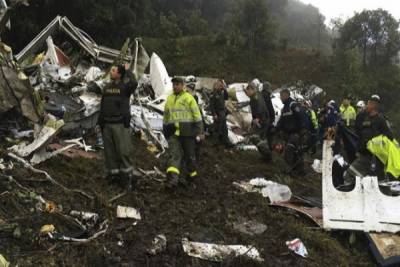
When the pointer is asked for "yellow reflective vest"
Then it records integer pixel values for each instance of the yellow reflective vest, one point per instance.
(348, 114)
(388, 152)
(182, 111)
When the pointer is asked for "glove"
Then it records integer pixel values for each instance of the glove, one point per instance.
(127, 121)
(168, 130)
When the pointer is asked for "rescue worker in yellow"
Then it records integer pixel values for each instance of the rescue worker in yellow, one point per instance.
(183, 125)
(114, 120)
(348, 112)
(369, 125)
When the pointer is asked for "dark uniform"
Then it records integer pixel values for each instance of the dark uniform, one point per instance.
(368, 127)
(114, 120)
(259, 111)
(293, 123)
(219, 112)
(271, 111)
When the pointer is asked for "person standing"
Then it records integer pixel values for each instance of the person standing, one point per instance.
(369, 124)
(293, 124)
(182, 127)
(348, 112)
(219, 113)
(114, 120)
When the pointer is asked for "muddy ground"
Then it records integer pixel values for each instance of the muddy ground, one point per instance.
(202, 212)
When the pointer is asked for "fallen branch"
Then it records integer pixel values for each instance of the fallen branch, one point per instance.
(103, 226)
(117, 197)
(48, 177)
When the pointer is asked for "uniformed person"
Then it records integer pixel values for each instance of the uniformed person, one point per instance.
(348, 112)
(261, 122)
(369, 124)
(293, 123)
(182, 127)
(219, 112)
(114, 120)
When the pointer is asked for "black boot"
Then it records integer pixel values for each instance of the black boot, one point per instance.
(172, 180)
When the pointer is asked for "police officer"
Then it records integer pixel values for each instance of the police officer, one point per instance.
(369, 124)
(182, 127)
(261, 122)
(219, 112)
(114, 120)
(293, 125)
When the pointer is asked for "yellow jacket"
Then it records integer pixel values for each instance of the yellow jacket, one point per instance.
(388, 152)
(183, 112)
(348, 114)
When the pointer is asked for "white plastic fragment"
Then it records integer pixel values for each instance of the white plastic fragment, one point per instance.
(86, 216)
(274, 191)
(218, 253)
(297, 247)
(128, 212)
(317, 166)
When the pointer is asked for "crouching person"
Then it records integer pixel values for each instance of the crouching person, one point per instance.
(182, 127)
(114, 120)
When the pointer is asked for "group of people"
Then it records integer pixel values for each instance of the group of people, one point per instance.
(300, 126)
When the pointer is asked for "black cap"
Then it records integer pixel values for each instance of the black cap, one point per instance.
(375, 98)
(177, 80)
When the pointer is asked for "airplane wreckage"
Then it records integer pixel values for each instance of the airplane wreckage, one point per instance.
(44, 93)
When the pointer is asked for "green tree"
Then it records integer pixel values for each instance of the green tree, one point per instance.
(373, 32)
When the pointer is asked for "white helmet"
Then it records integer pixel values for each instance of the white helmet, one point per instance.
(360, 104)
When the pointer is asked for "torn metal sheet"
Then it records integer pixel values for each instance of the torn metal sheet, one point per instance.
(160, 80)
(314, 213)
(98, 52)
(155, 119)
(385, 248)
(370, 209)
(218, 253)
(42, 155)
(49, 130)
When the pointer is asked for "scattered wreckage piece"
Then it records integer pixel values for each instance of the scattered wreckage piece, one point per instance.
(385, 248)
(370, 209)
(128, 212)
(297, 247)
(43, 155)
(274, 191)
(49, 130)
(218, 253)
